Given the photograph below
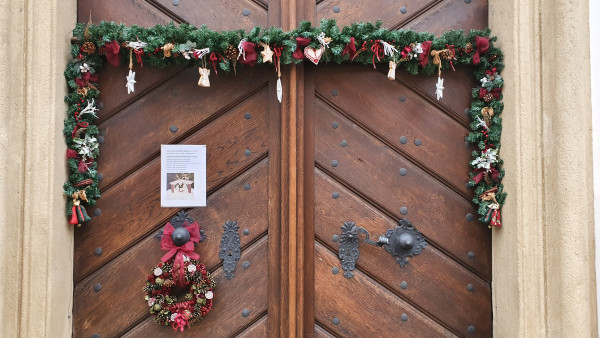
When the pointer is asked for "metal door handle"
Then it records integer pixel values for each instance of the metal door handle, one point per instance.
(402, 241)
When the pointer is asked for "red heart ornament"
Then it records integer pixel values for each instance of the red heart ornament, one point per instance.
(314, 55)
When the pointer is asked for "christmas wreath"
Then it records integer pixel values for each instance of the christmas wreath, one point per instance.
(179, 267)
(196, 303)
(208, 50)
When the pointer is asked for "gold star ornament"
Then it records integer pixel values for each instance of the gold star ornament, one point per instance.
(267, 53)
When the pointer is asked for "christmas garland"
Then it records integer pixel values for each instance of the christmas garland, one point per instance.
(209, 50)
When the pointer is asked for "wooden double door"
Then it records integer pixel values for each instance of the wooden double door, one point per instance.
(347, 144)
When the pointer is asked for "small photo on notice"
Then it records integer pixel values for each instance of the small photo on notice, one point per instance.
(180, 186)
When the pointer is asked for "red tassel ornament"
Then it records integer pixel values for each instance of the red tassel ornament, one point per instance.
(79, 214)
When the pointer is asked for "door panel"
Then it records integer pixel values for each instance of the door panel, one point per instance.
(245, 291)
(362, 129)
(288, 285)
(238, 120)
(225, 159)
(372, 168)
(179, 104)
(123, 278)
(428, 281)
(362, 307)
(387, 113)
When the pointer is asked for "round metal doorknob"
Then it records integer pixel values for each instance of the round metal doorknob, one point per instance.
(406, 241)
(180, 236)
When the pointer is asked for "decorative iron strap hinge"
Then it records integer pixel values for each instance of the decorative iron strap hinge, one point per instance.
(402, 241)
(230, 248)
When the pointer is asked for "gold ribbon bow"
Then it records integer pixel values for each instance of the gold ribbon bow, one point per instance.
(167, 48)
(487, 113)
(437, 61)
(79, 195)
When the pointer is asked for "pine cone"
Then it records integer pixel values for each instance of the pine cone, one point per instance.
(487, 178)
(231, 53)
(88, 47)
(446, 54)
(488, 97)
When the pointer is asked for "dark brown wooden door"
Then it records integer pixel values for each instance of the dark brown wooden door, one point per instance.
(281, 191)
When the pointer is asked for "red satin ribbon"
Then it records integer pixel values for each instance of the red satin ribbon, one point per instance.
(424, 57)
(377, 49)
(483, 45)
(495, 92)
(71, 153)
(300, 42)
(451, 48)
(138, 56)
(111, 50)
(480, 173)
(277, 52)
(85, 79)
(187, 249)
(84, 165)
(250, 52)
(181, 320)
(79, 124)
(214, 57)
(350, 49)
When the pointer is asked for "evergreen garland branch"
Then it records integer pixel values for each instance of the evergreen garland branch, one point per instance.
(365, 35)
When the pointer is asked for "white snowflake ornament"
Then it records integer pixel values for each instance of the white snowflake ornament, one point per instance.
(439, 88)
(130, 82)
(209, 295)
(158, 271)
(191, 268)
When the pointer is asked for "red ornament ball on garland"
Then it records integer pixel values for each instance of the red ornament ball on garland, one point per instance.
(196, 302)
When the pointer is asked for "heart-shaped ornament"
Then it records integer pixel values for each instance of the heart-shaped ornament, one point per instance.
(314, 55)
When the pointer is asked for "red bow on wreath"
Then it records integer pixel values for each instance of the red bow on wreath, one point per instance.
(85, 79)
(350, 49)
(111, 50)
(481, 173)
(187, 249)
(483, 45)
(495, 92)
(424, 56)
(249, 55)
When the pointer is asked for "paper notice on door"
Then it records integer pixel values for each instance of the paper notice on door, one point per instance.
(182, 175)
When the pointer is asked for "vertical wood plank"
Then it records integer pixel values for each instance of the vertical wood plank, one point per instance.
(278, 304)
(308, 203)
(302, 251)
